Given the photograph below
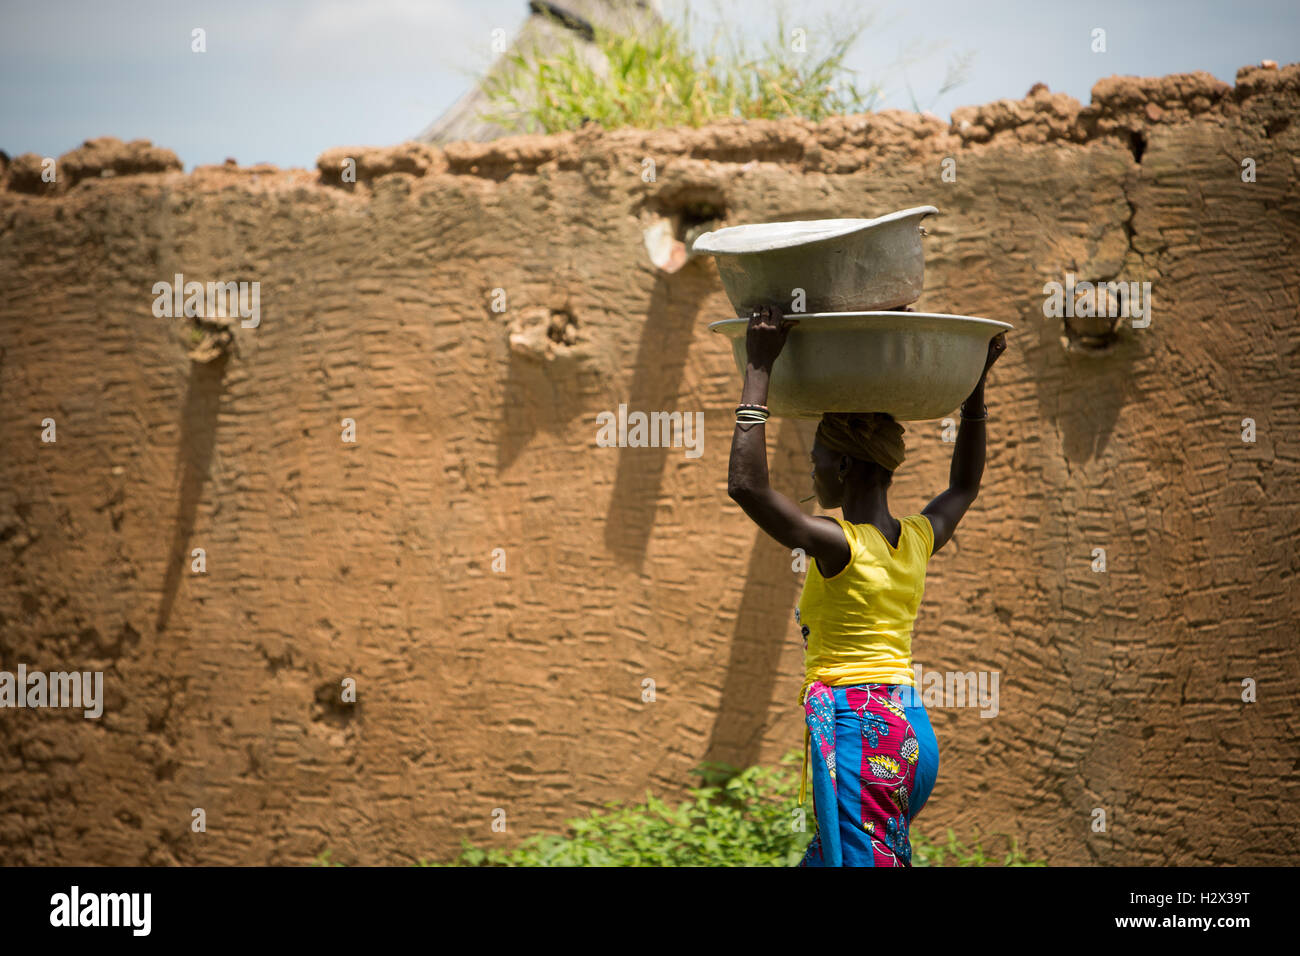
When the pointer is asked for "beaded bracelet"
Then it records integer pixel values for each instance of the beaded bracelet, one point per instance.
(761, 408)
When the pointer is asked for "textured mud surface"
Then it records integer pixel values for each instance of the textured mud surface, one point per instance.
(522, 689)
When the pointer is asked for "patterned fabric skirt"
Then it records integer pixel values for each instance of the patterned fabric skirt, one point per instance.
(874, 762)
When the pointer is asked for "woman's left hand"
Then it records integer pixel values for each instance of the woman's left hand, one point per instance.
(766, 335)
(997, 345)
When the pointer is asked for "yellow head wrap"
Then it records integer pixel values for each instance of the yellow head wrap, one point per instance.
(867, 436)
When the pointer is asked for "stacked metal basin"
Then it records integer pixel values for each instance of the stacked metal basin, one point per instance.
(851, 351)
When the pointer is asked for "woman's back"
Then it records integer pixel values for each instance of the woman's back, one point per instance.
(857, 624)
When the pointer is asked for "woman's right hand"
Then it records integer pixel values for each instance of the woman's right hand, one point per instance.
(766, 334)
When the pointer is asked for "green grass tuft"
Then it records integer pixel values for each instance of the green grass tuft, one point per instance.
(657, 79)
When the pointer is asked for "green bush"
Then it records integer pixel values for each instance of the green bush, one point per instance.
(656, 79)
(738, 818)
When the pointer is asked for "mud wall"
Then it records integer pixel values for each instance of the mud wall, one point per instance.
(521, 688)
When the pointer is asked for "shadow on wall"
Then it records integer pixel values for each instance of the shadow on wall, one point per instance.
(1088, 384)
(549, 384)
(660, 367)
(194, 455)
(546, 386)
(764, 623)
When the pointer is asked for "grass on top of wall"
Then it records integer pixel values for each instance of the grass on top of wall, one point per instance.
(658, 79)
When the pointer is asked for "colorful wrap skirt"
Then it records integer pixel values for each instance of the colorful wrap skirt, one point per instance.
(874, 762)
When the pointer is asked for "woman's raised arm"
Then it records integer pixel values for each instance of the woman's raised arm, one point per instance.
(967, 468)
(747, 481)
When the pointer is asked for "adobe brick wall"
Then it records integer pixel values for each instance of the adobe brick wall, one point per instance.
(522, 690)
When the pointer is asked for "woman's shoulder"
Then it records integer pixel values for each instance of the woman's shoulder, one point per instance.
(922, 526)
(848, 528)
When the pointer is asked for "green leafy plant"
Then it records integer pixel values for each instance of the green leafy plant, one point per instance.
(656, 79)
(955, 853)
(737, 818)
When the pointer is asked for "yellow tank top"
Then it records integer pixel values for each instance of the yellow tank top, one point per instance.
(857, 624)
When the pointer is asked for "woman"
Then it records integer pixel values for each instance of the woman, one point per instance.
(876, 756)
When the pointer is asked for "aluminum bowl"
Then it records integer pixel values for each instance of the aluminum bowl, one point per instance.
(843, 265)
(914, 365)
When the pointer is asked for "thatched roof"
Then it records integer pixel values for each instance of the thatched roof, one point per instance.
(550, 28)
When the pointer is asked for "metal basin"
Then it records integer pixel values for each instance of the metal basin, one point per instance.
(914, 365)
(843, 265)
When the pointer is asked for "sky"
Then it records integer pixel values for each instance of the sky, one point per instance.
(283, 80)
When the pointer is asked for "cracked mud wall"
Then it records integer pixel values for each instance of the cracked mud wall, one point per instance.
(522, 690)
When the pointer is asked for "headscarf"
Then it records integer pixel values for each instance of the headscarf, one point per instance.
(867, 436)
